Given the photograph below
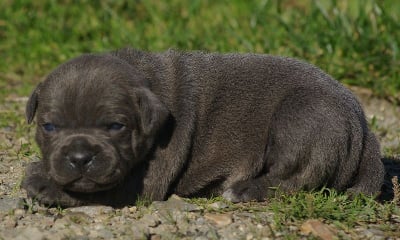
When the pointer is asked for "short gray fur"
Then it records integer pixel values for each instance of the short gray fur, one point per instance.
(196, 124)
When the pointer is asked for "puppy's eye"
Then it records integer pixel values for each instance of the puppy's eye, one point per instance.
(115, 126)
(49, 127)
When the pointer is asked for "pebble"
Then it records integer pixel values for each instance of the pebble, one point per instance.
(78, 217)
(133, 209)
(177, 203)
(150, 220)
(30, 233)
(10, 222)
(373, 234)
(8, 203)
(318, 229)
(92, 211)
(60, 224)
(219, 219)
(201, 238)
(19, 212)
(139, 231)
(218, 205)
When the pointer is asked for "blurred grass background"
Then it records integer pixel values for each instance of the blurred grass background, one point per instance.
(356, 41)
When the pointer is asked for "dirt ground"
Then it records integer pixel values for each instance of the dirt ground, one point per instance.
(16, 222)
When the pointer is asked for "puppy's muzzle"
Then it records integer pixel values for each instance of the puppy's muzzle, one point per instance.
(85, 163)
(80, 159)
(80, 154)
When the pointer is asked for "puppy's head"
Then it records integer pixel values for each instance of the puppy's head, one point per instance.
(96, 119)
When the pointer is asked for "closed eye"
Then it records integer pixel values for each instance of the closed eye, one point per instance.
(49, 127)
(115, 126)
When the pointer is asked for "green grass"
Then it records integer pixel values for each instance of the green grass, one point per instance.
(333, 208)
(355, 41)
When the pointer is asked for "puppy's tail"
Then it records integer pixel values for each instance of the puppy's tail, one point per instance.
(371, 171)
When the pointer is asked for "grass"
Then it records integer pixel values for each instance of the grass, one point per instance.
(355, 41)
(332, 208)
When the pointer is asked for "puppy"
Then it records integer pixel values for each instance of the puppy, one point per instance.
(115, 126)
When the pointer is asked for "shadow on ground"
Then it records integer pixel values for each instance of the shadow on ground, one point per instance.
(392, 169)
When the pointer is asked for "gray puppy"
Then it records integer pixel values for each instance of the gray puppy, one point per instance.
(119, 125)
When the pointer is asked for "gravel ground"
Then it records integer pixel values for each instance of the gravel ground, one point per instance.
(175, 218)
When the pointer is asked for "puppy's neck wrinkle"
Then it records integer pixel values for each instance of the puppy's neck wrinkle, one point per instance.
(161, 71)
(167, 74)
(164, 77)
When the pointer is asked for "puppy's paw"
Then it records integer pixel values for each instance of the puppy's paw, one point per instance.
(44, 190)
(245, 191)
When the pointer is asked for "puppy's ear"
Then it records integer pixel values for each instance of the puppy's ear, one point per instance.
(31, 106)
(152, 112)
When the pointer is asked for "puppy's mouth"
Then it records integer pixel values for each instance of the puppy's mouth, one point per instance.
(86, 185)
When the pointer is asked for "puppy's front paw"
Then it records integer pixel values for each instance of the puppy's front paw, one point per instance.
(245, 191)
(43, 189)
(40, 189)
(47, 192)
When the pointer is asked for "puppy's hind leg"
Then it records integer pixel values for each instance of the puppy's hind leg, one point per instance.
(369, 179)
(287, 170)
(304, 150)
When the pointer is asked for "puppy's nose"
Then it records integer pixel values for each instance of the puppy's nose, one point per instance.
(80, 159)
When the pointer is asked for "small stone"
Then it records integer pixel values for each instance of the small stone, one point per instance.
(155, 237)
(249, 236)
(395, 218)
(47, 221)
(78, 229)
(175, 203)
(201, 238)
(374, 234)
(165, 230)
(101, 232)
(150, 220)
(293, 228)
(125, 211)
(10, 222)
(92, 210)
(8, 203)
(133, 209)
(219, 219)
(317, 228)
(59, 235)
(106, 234)
(78, 217)
(30, 233)
(200, 220)
(139, 231)
(218, 205)
(23, 141)
(19, 212)
(60, 224)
